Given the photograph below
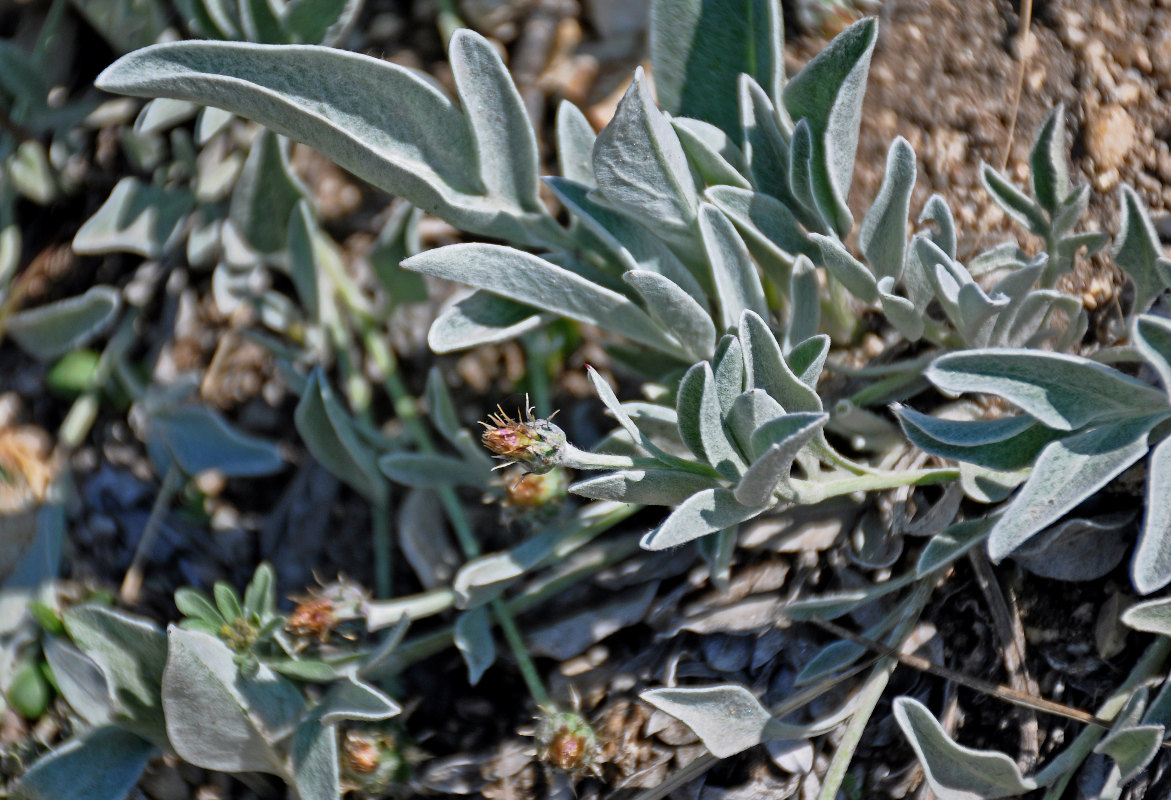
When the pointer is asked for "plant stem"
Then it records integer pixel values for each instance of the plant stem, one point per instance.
(520, 651)
(810, 492)
(573, 458)
(536, 347)
(132, 581)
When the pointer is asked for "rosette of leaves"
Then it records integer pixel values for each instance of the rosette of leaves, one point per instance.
(1083, 424)
(726, 452)
(136, 690)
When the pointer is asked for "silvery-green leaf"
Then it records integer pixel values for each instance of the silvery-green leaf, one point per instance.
(676, 311)
(1152, 616)
(200, 439)
(900, 311)
(1071, 210)
(703, 513)
(700, 48)
(441, 411)
(969, 308)
(473, 639)
(162, 113)
(766, 148)
(479, 319)
(849, 271)
(883, 236)
(210, 123)
(828, 92)
(839, 655)
(137, 217)
(1005, 443)
(767, 369)
(329, 434)
(51, 330)
(747, 412)
(936, 210)
(717, 552)
(804, 304)
(701, 424)
(951, 543)
(307, 246)
(1062, 391)
(709, 163)
(379, 122)
(79, 680)
(834, 604)
(737, 286)
(654, 487)
(989, 485)
(770, 229)
(640, 166)
(801, 176)
(778, 442)
(729, 371)
(260, 594)
(353, 699)
(1077, 549)
(1005, 254)
(431, 470)
(1132, 748)
(266, 193)
(1050, 173)
(953, 771)
(1137, 249)
(260, 23)
(104, 764)
(575, 144)
(502, 136)
(713, 139)
(728, 719)
(320, 21)
(807, 359)
(517, 275)
(220, 718)
(1152, 339)
(610, 400)
(131, 653)
(314, 757)
(1016, 315)
(1014, 202)
(1151, 568)
(633, 245)
(1067, 472)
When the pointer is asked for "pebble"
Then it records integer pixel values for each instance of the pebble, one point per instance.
(1110, 135)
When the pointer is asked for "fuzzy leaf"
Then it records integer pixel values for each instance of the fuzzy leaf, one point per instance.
(473, 639)
(1151, 568)
(1061, 391)
(767, 369)
(219, 718)
(1050, 173)
(79, 680)
(641, 167)
(575, 144)
(1152, 339)
(734, 275)
(828, 92)
(701, 424)
(772, 233)
(137, 217)
(654, 487)
(766, 146)
(801, 173)
(502, 136)
(1132, 748)
(104, 764)
(200, 439)
(1152, 616)
(849, 271)
(747, 412)
(1015, 203)
(900, 311)
(314, 756)
(482, 318)
(52, 330)
(704, 512)
(1001, 444)
(883, 236)
(728, 719)
(788, 435)
(329, 434)
(1067, 472)
(430, 470)
(676, 311)
(953, 771)
(804, 304)
(699, 47)
(729, 371)
(1137, 249)
(706, 156)
(379, 121)
(517, 275)
(265, 194)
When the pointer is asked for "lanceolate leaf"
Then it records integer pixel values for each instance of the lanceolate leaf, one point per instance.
(767, 369)
(1062, 391)
(104, 764)
(700, 48)
(703, 513)
(482, 318)
(1151, 568)
(727, 718)
(849, 271)
(956, 772)
(1015, 203)
(520, 276)
(1152, 338)
(1067, 472)
(1137, 249)
(1000, 444)
(52, 330)
(883, 236)
(379, 121)
(676, 311)
(1047, 163)
(734, 275)
(641, 167)
(769, 228)
(707, 155)
(575, 144)
(330, 436)
(701, 423)
(654, 487)
(828, 92)
(265, 195)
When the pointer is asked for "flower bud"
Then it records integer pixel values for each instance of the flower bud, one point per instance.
(566, 741)
(537, 444)
(327, 609)
(373, 760)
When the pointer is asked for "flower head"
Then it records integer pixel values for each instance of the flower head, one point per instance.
(537, 444)
(566, 741)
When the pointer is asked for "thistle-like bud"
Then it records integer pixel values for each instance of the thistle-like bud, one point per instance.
(536, 444)
(326, 610)
(566, 741)
(373, 761)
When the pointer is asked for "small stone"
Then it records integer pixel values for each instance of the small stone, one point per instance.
(1128, 93)
(1110, 136)
(1161, 57)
